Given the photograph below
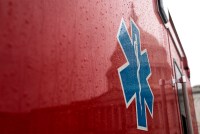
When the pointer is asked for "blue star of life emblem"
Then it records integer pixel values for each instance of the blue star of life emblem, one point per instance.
(134, 74)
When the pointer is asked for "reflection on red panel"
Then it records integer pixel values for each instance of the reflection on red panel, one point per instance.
(58, 68)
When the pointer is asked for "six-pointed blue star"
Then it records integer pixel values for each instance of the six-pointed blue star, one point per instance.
(135, 73)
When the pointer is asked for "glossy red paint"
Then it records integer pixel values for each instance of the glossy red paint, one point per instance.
(59, 61)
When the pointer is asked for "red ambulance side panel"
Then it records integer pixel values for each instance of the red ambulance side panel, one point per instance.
(59, 65)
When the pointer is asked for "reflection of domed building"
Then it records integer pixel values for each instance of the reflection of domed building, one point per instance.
(196, 95)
